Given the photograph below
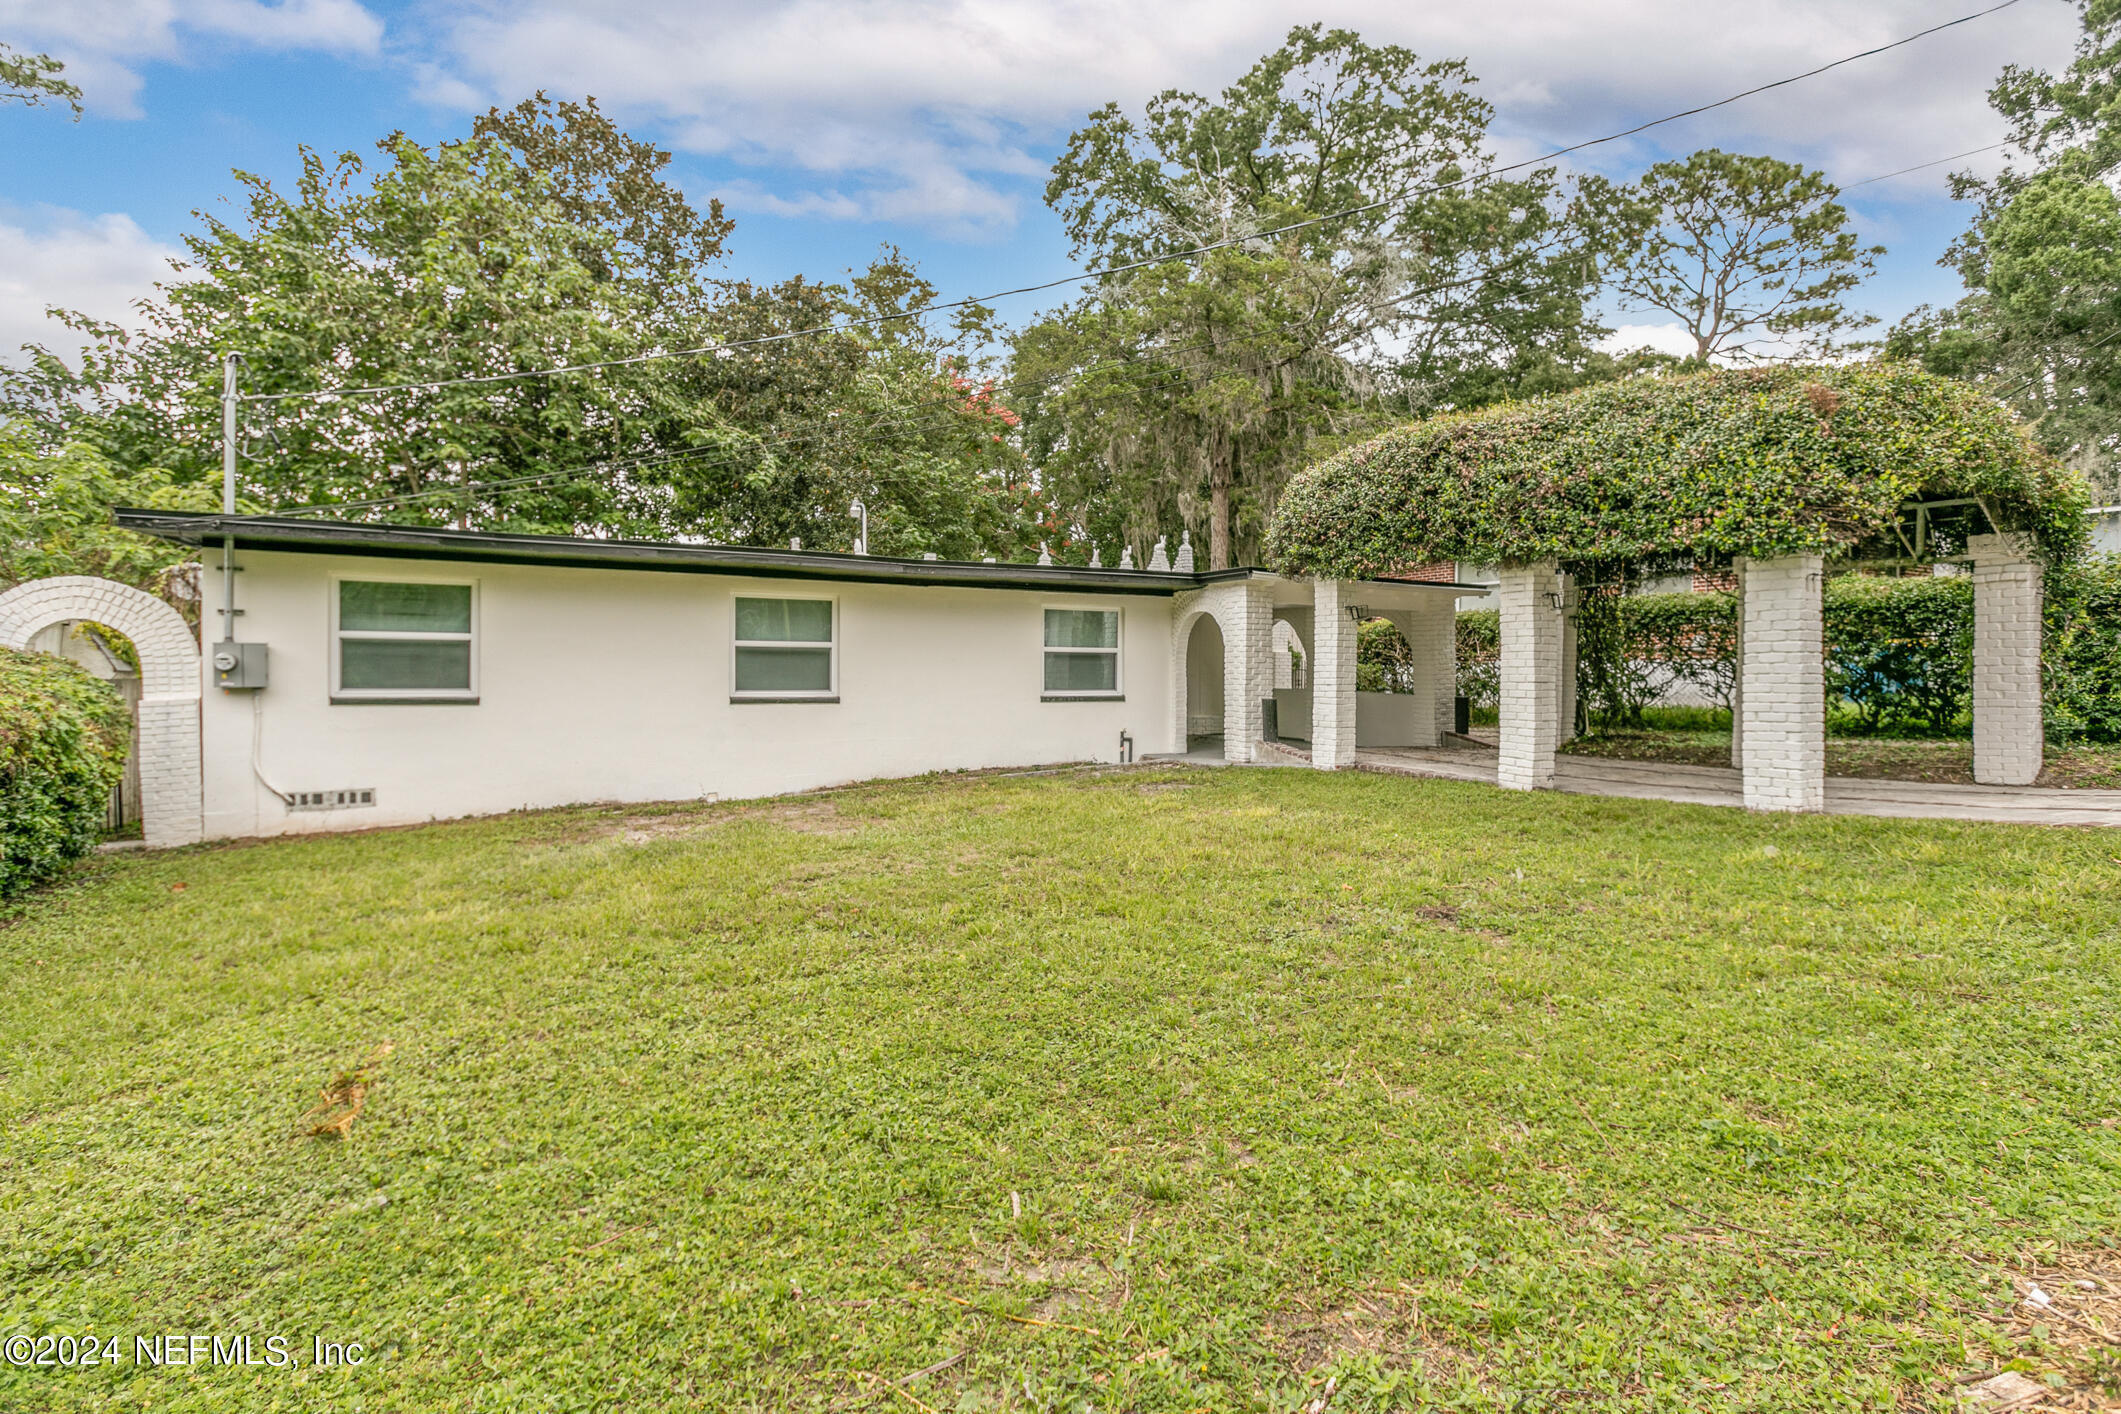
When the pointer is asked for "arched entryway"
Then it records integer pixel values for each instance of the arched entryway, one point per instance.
(169, 685)
(1203, 711)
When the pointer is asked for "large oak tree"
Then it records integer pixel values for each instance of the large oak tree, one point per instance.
(1356, 271)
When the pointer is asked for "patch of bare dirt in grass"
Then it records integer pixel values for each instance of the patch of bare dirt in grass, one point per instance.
(804, 816)
(1384, 1325)
(1076, 1283)
(812, 817)
(2062, 1315)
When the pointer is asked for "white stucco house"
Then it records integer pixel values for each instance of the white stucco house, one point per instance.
(389, 675)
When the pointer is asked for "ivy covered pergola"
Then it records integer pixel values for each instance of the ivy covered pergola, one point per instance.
(1777, 475)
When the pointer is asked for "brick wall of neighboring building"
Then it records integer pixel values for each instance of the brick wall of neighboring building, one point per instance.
(1442, 572)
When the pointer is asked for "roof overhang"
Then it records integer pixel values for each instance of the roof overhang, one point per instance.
(409, 542)
(414, 542)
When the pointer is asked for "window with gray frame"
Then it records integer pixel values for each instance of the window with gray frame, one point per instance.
(403, 641)
(1082, 653)
(785, 648)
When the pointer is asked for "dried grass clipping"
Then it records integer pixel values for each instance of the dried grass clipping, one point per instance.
(340, 1103)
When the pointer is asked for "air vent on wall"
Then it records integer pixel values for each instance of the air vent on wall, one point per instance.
(331, 799)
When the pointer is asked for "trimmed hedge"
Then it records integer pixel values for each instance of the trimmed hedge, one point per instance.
(1480, 657)
(1384, 662)
(2081, 650)
(1677, 471)
(1899, 652)
(63, 739)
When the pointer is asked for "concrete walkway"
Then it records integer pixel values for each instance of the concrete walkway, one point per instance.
(1718, 785)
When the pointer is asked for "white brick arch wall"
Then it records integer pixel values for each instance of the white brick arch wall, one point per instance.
(1244, 611)
(169, 685)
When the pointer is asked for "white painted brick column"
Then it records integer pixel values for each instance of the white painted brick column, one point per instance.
(2009, 728)
(1738, 677)
(1418, 626)
(170, 783)
(1782, 683)
(1440, 661)
(1248, 668)
(1183, 622)
(1571, 601)
(1531, 675)
(1333, 684)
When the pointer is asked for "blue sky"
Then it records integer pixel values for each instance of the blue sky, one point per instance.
(832, 128)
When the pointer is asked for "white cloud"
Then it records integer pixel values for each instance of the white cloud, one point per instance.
(96, 264)
(1669, 337)
(922, 109)
(103, 42)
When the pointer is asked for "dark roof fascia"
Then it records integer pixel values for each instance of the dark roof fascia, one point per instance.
(435, 543)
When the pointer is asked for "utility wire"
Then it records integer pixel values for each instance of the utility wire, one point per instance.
(1935, 162)
(906, 415)
(1105, 272)
(2023, 384)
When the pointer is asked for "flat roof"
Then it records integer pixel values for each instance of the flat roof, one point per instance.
(417, 542)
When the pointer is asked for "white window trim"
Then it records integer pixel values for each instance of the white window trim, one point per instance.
(1117, 652)
(829, 694)
(404, 694)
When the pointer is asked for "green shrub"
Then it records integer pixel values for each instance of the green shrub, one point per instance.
(1678, 471)
(1631, 649)
(1900, 652)
(1695, 637)
(1480, 658)
(2081, 658)
(1384, 661)
(63, 738)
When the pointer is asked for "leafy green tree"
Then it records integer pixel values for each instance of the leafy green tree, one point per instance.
(2040, 325)
(1326, 179)
(55, 519)
(885, 411)
(445, 275)
(33, 79)
(1740, 250)
(598, 176)
(440, 264)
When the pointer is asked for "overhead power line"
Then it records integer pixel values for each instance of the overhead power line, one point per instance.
(906, 414)
(1933, 162)
(1104, 272)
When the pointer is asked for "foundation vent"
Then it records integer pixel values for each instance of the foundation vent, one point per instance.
(352, 799)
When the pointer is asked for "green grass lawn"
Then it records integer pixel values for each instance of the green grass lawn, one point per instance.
(1159, 1089)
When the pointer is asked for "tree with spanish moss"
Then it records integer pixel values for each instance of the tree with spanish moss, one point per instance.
(1337, 265)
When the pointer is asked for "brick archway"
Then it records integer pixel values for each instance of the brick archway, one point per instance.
(1244, 612)
(169, 683)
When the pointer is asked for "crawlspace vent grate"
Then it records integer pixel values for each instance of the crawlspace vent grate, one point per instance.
(352, 799)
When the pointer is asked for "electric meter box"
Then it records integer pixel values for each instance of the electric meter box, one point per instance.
(238, 665)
